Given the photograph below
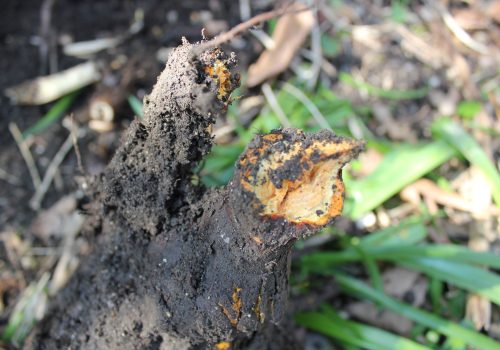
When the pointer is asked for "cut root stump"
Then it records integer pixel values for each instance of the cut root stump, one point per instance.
(178, 266)
(297, 177)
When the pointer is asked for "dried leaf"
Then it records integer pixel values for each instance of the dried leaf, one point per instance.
(290, 33)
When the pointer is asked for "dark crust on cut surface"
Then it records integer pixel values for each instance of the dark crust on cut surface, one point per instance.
(261, 147)
(293, 168)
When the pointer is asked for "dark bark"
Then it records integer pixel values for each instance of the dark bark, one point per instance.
(176, 266)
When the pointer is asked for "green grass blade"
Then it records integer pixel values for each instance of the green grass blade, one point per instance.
(321, 323)
(26, 313)
(355, 333)
(388, 94)
(436, 288)
(400, 252)
(451, 252)
(439, 324)
(410, 231)
(54, 113)
(407, 233)
(222, 157)
(456, 136)
(399, 168)
(136, 105)
(373, 271)
(469, 277)
(469, 109)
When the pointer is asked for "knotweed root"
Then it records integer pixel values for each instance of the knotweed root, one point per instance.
(175, 265)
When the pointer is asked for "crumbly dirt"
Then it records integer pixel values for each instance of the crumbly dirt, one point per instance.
(20, 31)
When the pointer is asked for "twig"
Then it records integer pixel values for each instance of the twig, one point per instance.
(236, 30)
(299, 95)
(25, 152)
(86, 48)
(8, 177)
(459, 32)
(51, 171)
(46, 44)
(327, 67)
(264, 38)
(275, 106)
(51, 87)
(317, 54)
(74, 135)
(89, 47)
(68, 260)
(245, 9)
(462, 35)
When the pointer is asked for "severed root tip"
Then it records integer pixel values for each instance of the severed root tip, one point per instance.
(200, 83)
(220, 71)
(298, 177)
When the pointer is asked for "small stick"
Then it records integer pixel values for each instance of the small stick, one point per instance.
(45, 33)
(50, 173)
(299, 95)
(317, 57)
(244, 26)
(25, 152)
(74, 135)
(459, 32)
(462, 35)
(49, 88)
(275, 106)
(8, 177)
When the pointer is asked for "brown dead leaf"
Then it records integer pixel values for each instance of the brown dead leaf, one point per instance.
(290, 33)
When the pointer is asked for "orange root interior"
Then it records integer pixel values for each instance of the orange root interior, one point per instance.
(314, 197)
(222, 75)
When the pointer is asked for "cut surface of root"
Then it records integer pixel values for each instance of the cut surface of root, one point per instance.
(298, 177)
